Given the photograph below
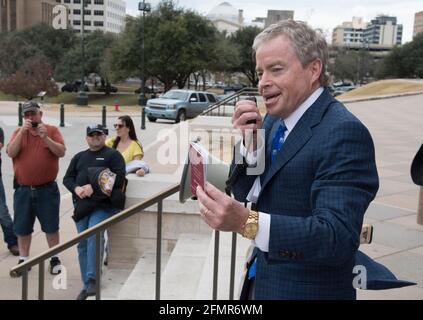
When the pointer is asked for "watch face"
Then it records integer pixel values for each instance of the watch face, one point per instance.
(251, 229)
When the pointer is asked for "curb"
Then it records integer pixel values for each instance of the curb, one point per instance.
(381, 97)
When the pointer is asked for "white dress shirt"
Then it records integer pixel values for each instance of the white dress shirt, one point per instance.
(262, 238)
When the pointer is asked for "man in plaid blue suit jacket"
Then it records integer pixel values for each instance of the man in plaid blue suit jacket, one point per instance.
(312, 197)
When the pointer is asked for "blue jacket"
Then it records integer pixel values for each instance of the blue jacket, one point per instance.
(317, 191)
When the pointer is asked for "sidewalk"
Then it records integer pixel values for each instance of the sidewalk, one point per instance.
(395, 125)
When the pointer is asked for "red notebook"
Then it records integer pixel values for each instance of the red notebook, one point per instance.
(198, 168)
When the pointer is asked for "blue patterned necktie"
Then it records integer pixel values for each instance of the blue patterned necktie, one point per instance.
(278, 140)
(277, 143)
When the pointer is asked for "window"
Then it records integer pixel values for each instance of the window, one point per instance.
(98, 23)
(98, 12)
(98, 1)
(87, 23)
(202, 97)
(76, 22)
(211, 97)
(76, 11)
(193, 98)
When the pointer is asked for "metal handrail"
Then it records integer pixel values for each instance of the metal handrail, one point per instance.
(235, 95)
(97, 229)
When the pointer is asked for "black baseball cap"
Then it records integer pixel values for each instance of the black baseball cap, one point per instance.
(97, 128)
(30, 106)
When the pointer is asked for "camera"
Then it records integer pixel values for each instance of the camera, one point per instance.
(34, 124)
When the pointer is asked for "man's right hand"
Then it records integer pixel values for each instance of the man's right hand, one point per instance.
(84, 191)
(246, 110)
(26, 125)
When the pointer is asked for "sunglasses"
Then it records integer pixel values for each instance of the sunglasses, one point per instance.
(118, 126)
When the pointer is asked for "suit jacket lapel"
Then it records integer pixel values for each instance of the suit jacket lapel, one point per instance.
(295, 141)
(298, 137)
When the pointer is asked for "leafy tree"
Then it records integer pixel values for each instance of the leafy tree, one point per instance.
(14, 51)
(176, 43)
(95, 45)
(33, 77)
(243, 39)
(392, 65)
(353, 65)
(50, 42)
(36, 41)
(405, 61)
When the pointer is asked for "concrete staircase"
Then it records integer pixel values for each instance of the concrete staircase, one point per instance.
(187, 242)
(187, 273)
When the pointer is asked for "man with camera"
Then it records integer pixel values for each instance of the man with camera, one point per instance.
(35, 149)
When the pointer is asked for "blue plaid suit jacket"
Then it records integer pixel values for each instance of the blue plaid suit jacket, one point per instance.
(317, 191)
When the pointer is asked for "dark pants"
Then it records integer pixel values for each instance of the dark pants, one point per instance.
(6, 220)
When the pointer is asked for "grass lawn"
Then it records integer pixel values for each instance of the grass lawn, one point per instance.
(384, 87)
(93, 98)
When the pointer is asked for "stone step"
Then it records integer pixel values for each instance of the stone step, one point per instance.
(180, 271)
(183, 270)
(205, 288)
(141, 283)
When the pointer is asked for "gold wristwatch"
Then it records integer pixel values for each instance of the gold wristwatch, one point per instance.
(250, 228)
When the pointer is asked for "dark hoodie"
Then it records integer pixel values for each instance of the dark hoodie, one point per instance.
(85, 168)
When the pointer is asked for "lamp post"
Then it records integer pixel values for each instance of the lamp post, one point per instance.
(142, 100)
(82, 99)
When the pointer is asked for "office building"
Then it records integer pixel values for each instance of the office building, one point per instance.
(105, 15)
(418, 23)
(18, 14)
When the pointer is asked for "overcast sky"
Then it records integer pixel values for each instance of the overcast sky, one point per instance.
(324, 14)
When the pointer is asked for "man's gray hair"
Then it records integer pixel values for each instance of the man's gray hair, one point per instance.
(308, 43)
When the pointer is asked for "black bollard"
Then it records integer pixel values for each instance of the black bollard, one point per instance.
(20, 115)
(143, 118)
(62, 115)
(104, 116)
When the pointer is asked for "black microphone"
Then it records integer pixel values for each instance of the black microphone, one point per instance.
(251, 98)
(239, 168)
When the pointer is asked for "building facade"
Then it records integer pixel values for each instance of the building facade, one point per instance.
(18, 14)
(418, 23)
(349, 32)
(383, 32)
(226, 18)
(273, 16)
(105, 15)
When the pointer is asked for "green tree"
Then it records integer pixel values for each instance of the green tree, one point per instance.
(405, 61)
(50, 42)
(353, 65)
(14, 52)
(392, 65)
(243, 39)
(177, 43)
(36, 41)
(225, 56)
(95, 46)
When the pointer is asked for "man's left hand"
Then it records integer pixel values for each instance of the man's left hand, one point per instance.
(42, 131)
(220, 211)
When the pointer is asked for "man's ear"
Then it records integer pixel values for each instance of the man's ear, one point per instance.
(316, 69)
